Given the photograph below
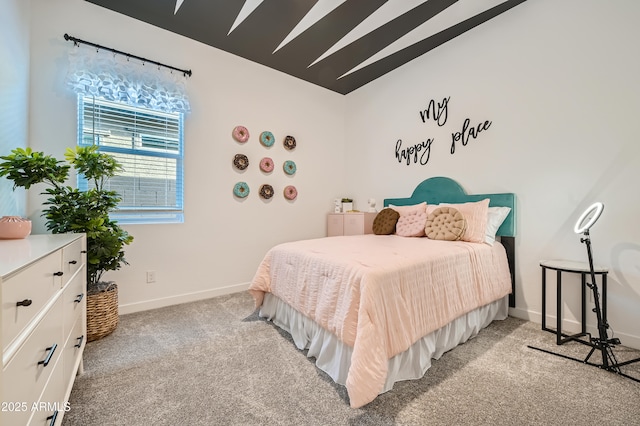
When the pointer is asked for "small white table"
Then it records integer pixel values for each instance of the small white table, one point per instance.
(570, 266)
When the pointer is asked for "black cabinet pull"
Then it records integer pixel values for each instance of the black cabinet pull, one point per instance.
(53, 418)
(79, 298)
(58, 274)
(51, 350)
(83, 251)
(80, 340)
(73, 262)
(25, 302)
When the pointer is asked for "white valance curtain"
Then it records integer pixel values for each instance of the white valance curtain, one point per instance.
(118, 78)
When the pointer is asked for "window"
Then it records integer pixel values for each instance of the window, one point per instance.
(149, 146)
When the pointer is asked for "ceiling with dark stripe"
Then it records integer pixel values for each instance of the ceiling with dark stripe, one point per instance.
(337, 44)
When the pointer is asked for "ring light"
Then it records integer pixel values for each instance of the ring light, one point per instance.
(588, 218)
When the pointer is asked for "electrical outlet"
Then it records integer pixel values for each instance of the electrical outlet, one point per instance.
(151, 276)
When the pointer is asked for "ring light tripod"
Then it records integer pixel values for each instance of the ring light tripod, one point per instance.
(602, 343)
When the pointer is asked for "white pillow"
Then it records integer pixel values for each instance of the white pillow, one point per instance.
(495, 217)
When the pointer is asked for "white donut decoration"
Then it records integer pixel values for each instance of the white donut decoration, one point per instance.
(241, 134)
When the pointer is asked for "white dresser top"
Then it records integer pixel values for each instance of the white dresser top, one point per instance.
(16, 254)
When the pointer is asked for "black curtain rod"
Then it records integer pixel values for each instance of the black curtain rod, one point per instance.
(77, 41)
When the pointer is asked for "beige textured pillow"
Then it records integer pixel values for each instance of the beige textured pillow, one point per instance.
(475, 214)
(385, 222)
(445, 223)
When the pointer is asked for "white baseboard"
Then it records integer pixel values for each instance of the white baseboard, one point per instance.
(572, 326)
(129, 308)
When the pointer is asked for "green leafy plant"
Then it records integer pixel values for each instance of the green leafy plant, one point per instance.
(71, 210)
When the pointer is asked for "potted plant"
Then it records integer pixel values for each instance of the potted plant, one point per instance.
(347, 204)
(69, 209)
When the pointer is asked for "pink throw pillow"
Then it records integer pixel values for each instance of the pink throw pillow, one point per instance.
(412, 224)
(403, 210)
(475, 214)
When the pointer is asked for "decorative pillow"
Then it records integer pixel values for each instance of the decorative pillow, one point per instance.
(412, 224)
(385, 222)
(403, 210)
(445, 223)
(475, 214)
(495, 217)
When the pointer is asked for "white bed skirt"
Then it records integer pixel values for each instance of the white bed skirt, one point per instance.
(334, 357)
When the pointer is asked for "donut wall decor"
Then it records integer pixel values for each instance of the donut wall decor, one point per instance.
(289, 142)
(241, 161)
(289, 167)
(267, 139)
(290, 192)
(266, 165)
(266, 191)
(241, 189)
(241, 134)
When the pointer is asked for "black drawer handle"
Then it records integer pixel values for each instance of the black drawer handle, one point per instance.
(51, 350)
(53, 418)
(80, 340)
(83, 251)
(79, 298)
(58, 274)
(73, 262)
(25, 302)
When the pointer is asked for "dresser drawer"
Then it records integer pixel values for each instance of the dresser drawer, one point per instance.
(51, 402)
(74, 301)
(33, 287)
(73, 349)
(73, 258)
(25, 376)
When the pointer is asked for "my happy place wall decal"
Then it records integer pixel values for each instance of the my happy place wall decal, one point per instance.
(438, 112)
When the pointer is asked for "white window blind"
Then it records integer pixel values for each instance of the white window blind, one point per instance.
(149, 146)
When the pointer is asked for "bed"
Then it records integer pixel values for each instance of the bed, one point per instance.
(376, 309)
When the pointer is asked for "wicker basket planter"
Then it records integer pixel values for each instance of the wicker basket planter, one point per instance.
(102, 313)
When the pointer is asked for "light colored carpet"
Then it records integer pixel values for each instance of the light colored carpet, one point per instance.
(214, 362)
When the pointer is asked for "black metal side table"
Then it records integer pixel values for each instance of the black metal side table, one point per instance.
(570, 266)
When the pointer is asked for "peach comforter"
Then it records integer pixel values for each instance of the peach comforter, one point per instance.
(381, 293)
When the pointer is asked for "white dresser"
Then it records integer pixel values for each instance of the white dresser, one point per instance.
(43, 322)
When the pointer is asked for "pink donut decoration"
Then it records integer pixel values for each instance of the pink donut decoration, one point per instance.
(266, 165)
(241, 134)
(290, 192)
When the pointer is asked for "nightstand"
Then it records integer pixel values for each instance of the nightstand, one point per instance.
(569, 266)
(353, 223)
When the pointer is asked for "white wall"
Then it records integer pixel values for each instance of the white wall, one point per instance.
(559, 82)
(218, 248)
(14, 94)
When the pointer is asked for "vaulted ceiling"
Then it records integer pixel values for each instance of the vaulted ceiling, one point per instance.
(337, 44)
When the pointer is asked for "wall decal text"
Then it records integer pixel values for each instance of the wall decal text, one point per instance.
(407, 153)
(438, 112)
(467, 132)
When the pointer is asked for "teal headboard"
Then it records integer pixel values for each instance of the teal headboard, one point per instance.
(438, 190)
